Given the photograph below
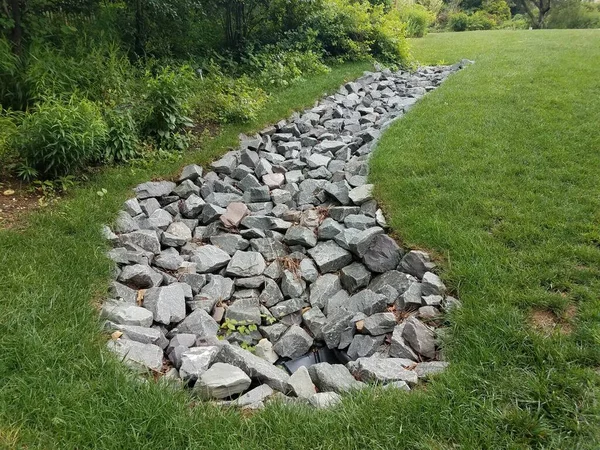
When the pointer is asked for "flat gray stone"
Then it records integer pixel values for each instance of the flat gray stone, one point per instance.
(354, 277)
(153, 189)
(264, 350)
(292, 285)
(245, 310)
(333, 378)
(382, 255)
(323, 289)
(361, 194)
(256, 395)
(126, 314)
(294, 343)
(255, 367)
(384, 370)
(334, 326)
(199, 323)
(196, 361)
(209, 258)
(420, 337)
(140, 276)
(246, 264)
(363, 345)
(330, 257)
(222, 381)
(297, 235)
(324, 400)
(432, 285)
(301, 383)
(399, 348)
(367, 302)
(416, 263)
(380, 323)
(166, 303)
(145, 239)
(137, 355)
(191, 172)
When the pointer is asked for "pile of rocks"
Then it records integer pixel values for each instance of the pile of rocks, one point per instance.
(278, 250)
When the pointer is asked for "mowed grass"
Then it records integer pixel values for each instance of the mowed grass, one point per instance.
(496, 172)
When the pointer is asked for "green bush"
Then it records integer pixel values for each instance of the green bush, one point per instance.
(223, 99)
(480, 20)
(458, 21)
(122, 139)
(498, 9)
(574, 14)
(8, 128)
(418, 19)
(58, 138)
(517, 22)
(167, 99)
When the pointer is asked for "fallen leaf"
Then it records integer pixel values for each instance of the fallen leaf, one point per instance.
(140, 296)
(8, 192)
(116, 335)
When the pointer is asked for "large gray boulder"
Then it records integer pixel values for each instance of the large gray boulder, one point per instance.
(384, 370)
(136, 355)
(333, 378)
(222, 381)
(126, 314)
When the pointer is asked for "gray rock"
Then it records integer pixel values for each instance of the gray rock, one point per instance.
(154, 189)
(209, 258)
(191, 172)
(428, 313)
(301, 383)
(132, 207)
(149, 205)
(144, 335)
(271, 294)
(450, 304)
(137, 355)
(169, 259)
(126, 314)
(255, 396)
(333, 378)
(140, 276)
(380, 323)
(230, 243)
(354, 277)
(359, 221)
(250, 282)
(364, 345)
(192, 206)
(246, 264)
(121, 292)
(297, 235)
(397, 280)
(329, 229)
(145, 239)
(361, 194)
(245, 310)
(273, 332)
(124, 223)
(196, 361)
(367, 302)
(384, 370)
(323, 289)
(336, 301)
(176, 235)
(255, 367)
(399, 348)
(324, 400)
(432, 285)
(294, 343)
(329, 256)
(433, 300)
(292, 286)
(416, 263)
(186, 188)
(226, 164)
(222, 381)
(264, 350)
(334, 326)
(382, 255)
(339, 213)
(420, 337)
(199, 323)
(268, 247)
(273, 180)
(287, 307)
(411, 299)
(308, 270)
(166, 303)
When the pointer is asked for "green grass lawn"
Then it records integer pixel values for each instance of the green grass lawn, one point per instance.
(497, 171)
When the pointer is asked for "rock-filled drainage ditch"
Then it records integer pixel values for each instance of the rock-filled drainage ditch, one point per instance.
(271, 274)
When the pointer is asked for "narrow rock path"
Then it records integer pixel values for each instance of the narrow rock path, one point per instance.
(272, 274)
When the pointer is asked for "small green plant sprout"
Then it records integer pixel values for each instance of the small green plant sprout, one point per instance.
(268, 318)
(102, 192)
(230, 326)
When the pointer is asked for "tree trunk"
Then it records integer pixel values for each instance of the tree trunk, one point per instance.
(16, 35)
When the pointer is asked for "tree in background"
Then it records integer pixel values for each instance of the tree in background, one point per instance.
(537, 10)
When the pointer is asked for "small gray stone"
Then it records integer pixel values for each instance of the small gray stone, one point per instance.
(367, 302)
(274, 332)
(359, 221)
(287, 307)
(384, 370)
(169, 259)
(354, 277)
(226, 164)
(255, 396)
(432, 285)
(268, 247)
(329, 229)
(294, 343)
(308, 270)
(137, 355)
(330, 257)
(209, 258)
(246, 264)
(334, 326)
(361, 194)
(297, 235)
(292, 286)
(145, 239)
(196, 361)
(176, 235)
(186, 188)
(323, 289)
(199, 323)
(245, 311)
(364, 345)
(302, 384)
(132, 207)
(166, 303)
(380, 323)
(222, 381)
(124, 223)
(126, 314)
(333, 378)
(383, 254)
(399, 348)
(420, 337)
(140, 276)
(154, 189)
(427, 369)
(264, 350)
(416, 263)
(191, 172)
(411, 299)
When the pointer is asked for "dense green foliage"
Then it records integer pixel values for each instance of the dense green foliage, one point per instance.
(150, 67)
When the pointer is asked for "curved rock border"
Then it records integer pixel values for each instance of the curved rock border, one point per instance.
(279, 252)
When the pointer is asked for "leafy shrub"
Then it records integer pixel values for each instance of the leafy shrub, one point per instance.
(498, 9)
(223, 99)
(389, 39)
(458, 21)
(480, 20)
(122, 137)
(517, 22)
(574, 14)
(167, 97)
(58, 138)
(418, 19)
(8, 128)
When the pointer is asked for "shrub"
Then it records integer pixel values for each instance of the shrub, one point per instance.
(458, 21)
(574, 14)
(498, 9)
(122, 137)
(389, 39)
(480, 20)
(167, 97)
(418, 19)
(8, 128)
(223, 99)
(517, 22)
(58, 138)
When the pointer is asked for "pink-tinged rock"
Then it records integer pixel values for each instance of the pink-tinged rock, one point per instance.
(273, 180)
(234, 214)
